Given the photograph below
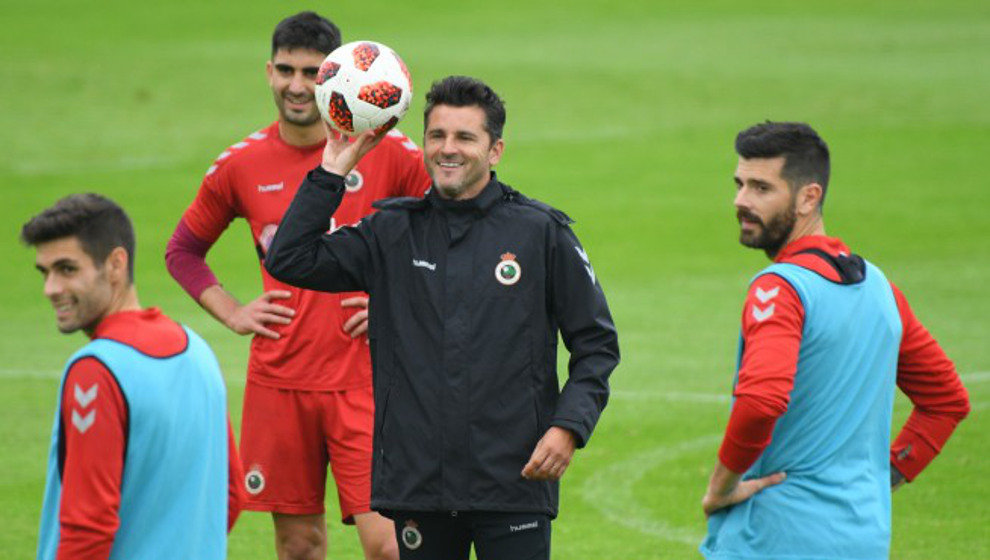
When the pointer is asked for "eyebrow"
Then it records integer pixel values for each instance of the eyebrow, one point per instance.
(284, 66)
(60, 262)
(760, 182)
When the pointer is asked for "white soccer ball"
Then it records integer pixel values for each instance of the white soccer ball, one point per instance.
(363, 85)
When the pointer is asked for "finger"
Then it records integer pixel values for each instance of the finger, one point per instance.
(355, 322)
(772, 480)
(368, 140)
(359, 330)
(277, 294)
(260, 329)
(357, 301)
(539, 465)
(280, 310)
(266, 318)
(533, 466)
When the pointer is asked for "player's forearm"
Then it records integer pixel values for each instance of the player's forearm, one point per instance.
(219, 303)
(748, 433)
(723, 481)
(921, 440)
(185, 259)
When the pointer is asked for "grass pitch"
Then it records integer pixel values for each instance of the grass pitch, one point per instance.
(622, 115)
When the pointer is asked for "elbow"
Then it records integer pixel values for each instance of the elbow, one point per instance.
(963, 408)
(275, 264)
(175, 256)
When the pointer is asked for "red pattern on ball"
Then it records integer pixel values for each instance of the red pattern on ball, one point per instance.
(380, 94)
(328, 70)
(340, 113)
(388, 125)
(364, 55)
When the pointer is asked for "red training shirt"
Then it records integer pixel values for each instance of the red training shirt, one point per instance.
(256, 179)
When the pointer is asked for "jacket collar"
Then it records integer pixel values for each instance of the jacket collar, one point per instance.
(486, 199)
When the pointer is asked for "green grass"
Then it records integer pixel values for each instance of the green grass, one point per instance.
(622, 115)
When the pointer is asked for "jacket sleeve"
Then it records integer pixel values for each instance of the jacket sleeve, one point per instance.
(582, 314)
(304, 255)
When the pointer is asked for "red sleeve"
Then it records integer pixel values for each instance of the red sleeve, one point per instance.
(215, 205)
(928, 377)
(772, 323)
(235, 496)
(185, 259)
(413, 178)
(94, 420)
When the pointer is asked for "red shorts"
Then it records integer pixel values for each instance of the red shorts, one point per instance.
(287, 439)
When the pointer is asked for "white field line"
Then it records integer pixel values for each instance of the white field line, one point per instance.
(612, 490)
(975, 377)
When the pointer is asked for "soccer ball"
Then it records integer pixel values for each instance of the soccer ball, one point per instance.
(363, 85)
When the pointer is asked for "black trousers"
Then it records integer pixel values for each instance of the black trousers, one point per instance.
(449, 535)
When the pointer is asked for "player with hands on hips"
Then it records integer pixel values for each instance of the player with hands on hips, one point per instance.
(308, 399)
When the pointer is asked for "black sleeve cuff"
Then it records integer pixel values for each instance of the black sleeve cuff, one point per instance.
(323, 179)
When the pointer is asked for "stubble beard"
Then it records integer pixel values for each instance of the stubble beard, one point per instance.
(308, 119)
(773, 234)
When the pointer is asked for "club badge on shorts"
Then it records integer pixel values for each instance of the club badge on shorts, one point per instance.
(254, 481)
(354, 181)
(411, 537)
(508, 271)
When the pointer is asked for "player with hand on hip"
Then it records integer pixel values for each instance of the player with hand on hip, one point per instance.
(308, 400)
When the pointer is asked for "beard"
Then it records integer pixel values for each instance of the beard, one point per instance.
(773, 234)
(306, 119)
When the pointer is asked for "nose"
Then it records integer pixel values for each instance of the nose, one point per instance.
(448, 146)
(741, 200)
(298, 84)
(52, 286)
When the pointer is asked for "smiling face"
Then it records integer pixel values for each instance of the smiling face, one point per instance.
(458, 152)
(292, 77)
(80, 291)
(765, 204)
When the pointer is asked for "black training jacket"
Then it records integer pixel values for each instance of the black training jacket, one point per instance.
(467, 298)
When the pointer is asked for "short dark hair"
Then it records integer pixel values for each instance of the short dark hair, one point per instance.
(98, 222)
(806, 158)
(306, 30)
(462, 91)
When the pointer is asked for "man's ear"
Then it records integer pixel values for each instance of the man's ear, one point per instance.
(495, 152)
(809, 199)
(116, 265)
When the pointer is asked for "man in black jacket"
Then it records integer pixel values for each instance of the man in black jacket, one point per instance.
(469, 289)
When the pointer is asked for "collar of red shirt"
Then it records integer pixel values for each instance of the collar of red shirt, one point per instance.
(831, 245)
